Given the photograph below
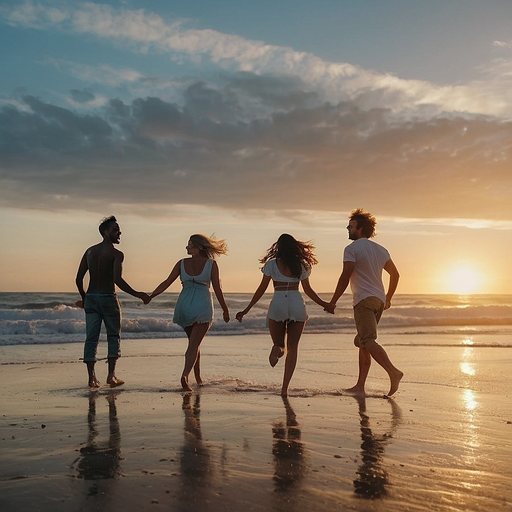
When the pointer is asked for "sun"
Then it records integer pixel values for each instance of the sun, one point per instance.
(464, 280)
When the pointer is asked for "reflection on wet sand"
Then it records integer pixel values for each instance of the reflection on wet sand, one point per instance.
(100, 462)
(290, 464)
(195, 460)
(372, 477)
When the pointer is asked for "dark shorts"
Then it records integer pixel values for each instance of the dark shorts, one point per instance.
(367, 314)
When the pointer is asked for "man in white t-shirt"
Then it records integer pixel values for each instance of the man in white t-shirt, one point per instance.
(363, 262)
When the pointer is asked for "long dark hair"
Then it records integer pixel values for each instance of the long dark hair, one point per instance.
(293, 253)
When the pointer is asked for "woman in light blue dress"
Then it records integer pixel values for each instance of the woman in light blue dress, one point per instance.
(287, 263)
(194, 308)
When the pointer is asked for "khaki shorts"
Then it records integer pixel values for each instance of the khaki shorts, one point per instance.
(367, 314)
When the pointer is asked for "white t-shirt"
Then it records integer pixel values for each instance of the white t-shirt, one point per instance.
(369, 259)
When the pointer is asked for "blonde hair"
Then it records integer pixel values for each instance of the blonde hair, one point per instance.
(209, 246)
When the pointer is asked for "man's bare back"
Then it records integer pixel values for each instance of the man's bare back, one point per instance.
(101, 260)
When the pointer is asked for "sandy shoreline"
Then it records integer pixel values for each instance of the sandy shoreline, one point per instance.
(236, 445)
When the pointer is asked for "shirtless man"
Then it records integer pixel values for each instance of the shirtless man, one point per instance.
(363, 262)
(105, 266)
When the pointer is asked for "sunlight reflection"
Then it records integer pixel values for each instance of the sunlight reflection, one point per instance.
(469, 400)
(470, 431)
(470, 434)
(467, 368)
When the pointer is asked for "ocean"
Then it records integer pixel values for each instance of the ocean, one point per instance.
(441, 443)
(44, 318)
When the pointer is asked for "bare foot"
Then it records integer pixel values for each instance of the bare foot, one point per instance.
(276, 353)
(355, 390)
(94, 383)
(184, 383)
(395, 381)
(113, 381)
(197, 376)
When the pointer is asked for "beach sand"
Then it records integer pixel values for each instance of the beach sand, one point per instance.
(443, 443)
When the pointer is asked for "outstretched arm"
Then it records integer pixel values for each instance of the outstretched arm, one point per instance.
(122, 284)
(394, 276)
(348, 268)
(306, 286)
(262, 288)
(175, 272)
(218, 291)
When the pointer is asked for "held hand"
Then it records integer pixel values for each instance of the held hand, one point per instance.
(225, 315)
(240, 316)
(145, 298)
(330, 308)
(79, 304)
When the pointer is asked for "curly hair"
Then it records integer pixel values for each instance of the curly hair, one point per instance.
(209, 246)
(365, 220)
(293, 253)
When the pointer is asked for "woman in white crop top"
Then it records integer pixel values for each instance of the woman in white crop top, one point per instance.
(286, 263)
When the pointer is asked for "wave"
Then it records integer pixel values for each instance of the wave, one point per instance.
(53, 318)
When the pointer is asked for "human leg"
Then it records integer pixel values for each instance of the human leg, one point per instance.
(379, 354)
(112, 380)
(93, 381)
(92, 336)
(367, 314)
(197, 368)
(294, 332)
(112, 319)
(277, 332)
(365, 361)
(197, 364)
(195, 334)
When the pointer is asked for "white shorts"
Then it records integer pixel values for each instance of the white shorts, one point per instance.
(287, 306)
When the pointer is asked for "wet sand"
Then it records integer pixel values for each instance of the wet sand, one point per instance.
(442, 443)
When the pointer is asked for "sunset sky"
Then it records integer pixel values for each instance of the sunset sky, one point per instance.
(249, 119)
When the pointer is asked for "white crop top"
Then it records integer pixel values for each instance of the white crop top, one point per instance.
(270, 269)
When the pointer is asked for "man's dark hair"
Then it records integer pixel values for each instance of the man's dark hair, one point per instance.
(105, 224)
(365, 220)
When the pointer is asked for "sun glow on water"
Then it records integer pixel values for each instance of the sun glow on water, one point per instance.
(469, 400)
(467, 369)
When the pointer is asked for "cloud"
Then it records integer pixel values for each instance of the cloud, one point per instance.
(82, 96)
(502, 44)
(213, 149)
(273, 129)
(102, 74)
(141, 31)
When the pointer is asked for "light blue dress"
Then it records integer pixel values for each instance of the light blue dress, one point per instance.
(195, 303)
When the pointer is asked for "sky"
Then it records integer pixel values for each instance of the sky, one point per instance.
(250, 119)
